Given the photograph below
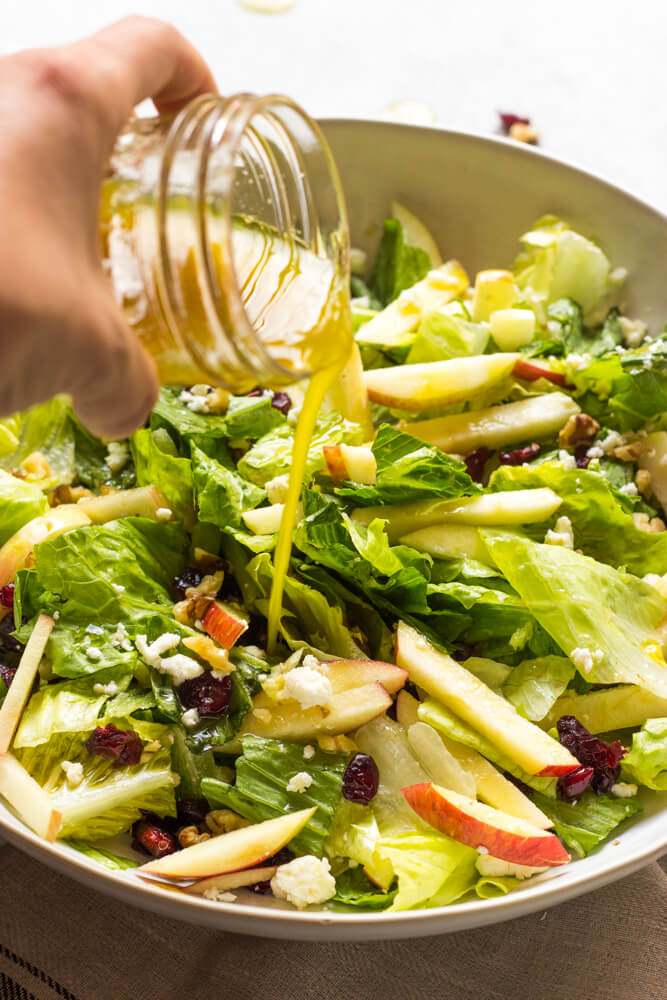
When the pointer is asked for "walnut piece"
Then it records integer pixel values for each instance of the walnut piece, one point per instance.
(580, 429)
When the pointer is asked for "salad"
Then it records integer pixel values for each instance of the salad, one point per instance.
(470, 689)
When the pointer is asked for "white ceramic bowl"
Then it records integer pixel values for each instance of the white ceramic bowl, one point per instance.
(477, 195)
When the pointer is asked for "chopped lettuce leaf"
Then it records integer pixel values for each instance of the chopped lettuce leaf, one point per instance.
(45, 428)
(625, 390)
(592, 611)
(493, 886)
(534, 685)
(440, 336)
(355, 889)
(182, 423)
(90, 456)
(112, 862)
(584, 825)
(646, 763)
(155, 465)
(432, 869)
(252, 416)
(20, 502)
(66, 651)
(583, 340)
(221, 495)
(260, 792)
(398, 265)
(191, 767)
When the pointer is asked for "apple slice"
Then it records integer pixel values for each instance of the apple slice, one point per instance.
(345, 461)
(513, 507)
(536, 418)
(287, 720)
(348, 396)
(145, 501)
(223, 625)
(346, 674)
(28, 798)
(17, 552)
(512, 328)
(491, 785)
(267, 520)
(449, 541)
(394, 326)
(436, 383)
(530, 371)
(479, 825)
(416, 233)
(230, 852)
(493, 290)
(24, 678)
(233, 880)
(622, 707)
(445, 679)
(654, 460)
(440, 765)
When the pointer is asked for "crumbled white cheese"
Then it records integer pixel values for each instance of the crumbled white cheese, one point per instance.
(308, 686)
(73, 772)
(575, 360)
(594, 452)
(659, 582)
(190, 718)
(118, 588)
(630, 490)
(562, 535)
(120, 638)
(496, 867)
(276, 489)
(308, 751)
(618, 275)
(482, 850)
(624, 790)
(304, 881)
(109, 689)
(585, 659)
(179, 667)
(118, 455)
(569, 461)
(94, 630)
(163, 514)
(633, 331)
(151, 654)
(195, 403)
(93, 653)
(300, 782)
(612, 440)
(218, 895)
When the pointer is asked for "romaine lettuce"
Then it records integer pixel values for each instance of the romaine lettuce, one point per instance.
(20, 502)
(646, 763)
(582, 826)
(155, 465)
(45, 428)
(398, 265)
(534, 685)
(440, 336)
(221, 495)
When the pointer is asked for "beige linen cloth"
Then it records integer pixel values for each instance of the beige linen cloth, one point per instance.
(61, 940)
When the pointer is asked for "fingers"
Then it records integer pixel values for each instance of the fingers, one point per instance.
(122, 386)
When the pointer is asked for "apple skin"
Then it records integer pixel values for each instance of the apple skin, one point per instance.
(230, 852)
(349, 462)
(478, 825)
(333, 456)
(530, 371)
(21, 687)
(223, 626)
(233, 880)
(31, 802)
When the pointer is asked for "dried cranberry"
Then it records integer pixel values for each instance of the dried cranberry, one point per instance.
(590, 751)
(573, 785)
(281, 402)
(7, 640)
(7, 596)
(475, 463)
(7, 674)
(152, 839)
(361, 779)
(520, 455)
(191, 577)
(122, 746)
(192, 812)
(581, 456)
(507, 119)
(208, 694)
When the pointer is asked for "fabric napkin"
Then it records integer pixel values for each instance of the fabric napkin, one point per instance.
(59, 939)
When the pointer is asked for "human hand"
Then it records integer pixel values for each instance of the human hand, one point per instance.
(61, 111)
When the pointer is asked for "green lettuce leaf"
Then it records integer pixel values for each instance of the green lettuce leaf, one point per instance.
(408, 470)
(156, 466)
(20, 502)
(90, 456)
(355, 889)
(66, 650)
(182, 423)
(646, 763)
(432, 869)
(112, 862)
(602, 526)
(260, 791)
(221, 495)
(440, 337)
(398, 265)
(586, 605)
(45, 428)
(192, 767)
(534, 685)
(583, 340)
(252, 416)
(584, 825)
(625, 390)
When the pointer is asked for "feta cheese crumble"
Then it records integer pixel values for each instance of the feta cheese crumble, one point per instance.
(300, 782)
(117, 456)
(218, 895)
(190, 718)
(94, 654)
(73, 772)
(163, 514)
(179, 667)
(568, 461)
(308, 751)
(624, 790)
(594, 452)
(633, 331)
(308, 686)
(109, 689)
(118, 588)
(630, 490)
(304, 881)
(562, 534)
(585, 659)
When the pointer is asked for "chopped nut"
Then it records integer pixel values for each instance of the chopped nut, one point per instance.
(580, 429)
(68, 494)
(204, 647)
(36, 466)
(224, 821)
(629, 452)
(217, 401)
(643, 481)
(524, 133)
(189, 835)
(656, 525)
(208, 587)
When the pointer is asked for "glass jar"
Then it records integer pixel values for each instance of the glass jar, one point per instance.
(225, 235)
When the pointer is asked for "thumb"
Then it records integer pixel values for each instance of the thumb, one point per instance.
(114, 382)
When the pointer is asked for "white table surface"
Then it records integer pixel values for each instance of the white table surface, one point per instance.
(589, 72)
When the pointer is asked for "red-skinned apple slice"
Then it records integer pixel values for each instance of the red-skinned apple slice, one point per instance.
(436, 383)
(234, 880)
(24, 678)
(230, 852)
(28, 798)
(530, 371)
(346, 674)
(222, 625)
(479, 825)
(17, 552)
(449, 682)
(356, 463)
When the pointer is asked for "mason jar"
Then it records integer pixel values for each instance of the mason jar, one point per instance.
(225, 236)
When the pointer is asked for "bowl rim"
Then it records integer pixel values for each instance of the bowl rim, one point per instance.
(244, 918)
